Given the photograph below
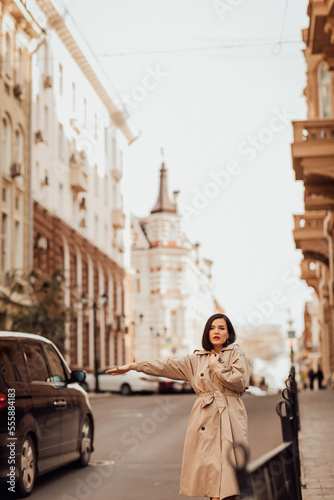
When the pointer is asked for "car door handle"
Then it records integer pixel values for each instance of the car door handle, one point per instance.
(59, 404)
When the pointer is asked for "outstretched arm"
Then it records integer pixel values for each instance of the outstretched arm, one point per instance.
(122, 369)
(177, 369)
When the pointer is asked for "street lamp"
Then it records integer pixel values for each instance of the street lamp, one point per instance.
(103, 301)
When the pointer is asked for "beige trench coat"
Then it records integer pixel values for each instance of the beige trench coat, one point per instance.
(218, 418)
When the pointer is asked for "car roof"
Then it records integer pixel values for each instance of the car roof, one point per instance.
(22, 335)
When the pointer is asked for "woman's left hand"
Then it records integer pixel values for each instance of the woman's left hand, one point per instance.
(212, 356)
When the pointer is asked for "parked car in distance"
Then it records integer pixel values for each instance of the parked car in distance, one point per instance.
(46, 420)
(125, 383)
(256, 391)
(168, 385)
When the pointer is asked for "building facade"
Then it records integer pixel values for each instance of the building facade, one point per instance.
(172, 284)
(18, 29)
(313, 163)
(73, 136)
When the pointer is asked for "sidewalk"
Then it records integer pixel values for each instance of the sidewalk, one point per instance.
(316, 443)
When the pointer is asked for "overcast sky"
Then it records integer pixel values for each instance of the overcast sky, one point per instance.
(216, 84)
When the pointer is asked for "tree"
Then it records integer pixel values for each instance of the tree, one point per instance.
(41, 311)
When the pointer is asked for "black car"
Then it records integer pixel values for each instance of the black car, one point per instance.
(46, 419)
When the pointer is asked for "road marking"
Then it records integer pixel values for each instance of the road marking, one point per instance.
(125, 413)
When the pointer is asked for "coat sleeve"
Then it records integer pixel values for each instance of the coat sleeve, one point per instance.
(234, 376)
(178, 369)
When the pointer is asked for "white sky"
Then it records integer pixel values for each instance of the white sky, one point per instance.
(203, 110)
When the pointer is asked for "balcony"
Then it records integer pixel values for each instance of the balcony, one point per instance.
(78, 174)
(321, 27)
(118, 218)
(309, 273)
(313, 161)
(309, 236)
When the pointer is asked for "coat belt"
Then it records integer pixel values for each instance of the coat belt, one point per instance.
(221, 402)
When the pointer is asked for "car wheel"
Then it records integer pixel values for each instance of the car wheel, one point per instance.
(125, 390)
(85, 443)
(27, 467)
(84, 385)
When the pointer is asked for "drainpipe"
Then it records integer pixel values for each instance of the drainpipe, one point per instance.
(30, 215)
(328, 236)
(327, 233)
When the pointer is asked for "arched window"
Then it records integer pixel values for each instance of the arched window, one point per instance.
(324, 89)
(8, 55)
(6, 139)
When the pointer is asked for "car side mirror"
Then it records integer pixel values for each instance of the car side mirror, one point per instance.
(78, 376)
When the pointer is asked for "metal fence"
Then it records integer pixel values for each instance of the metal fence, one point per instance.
(275, 475)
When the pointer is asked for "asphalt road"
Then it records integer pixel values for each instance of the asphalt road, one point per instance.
(138, 448)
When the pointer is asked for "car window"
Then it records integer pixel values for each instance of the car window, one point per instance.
(12, 363)
(57, 373)
(36, 363)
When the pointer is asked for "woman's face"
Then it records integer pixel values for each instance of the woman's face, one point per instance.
(218, 333)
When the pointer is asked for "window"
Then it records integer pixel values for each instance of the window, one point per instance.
(96, 181)
(173, 323)
(173, 280)
(113, 145)
(96, 229)
(37, 113)
(37, 369)
(61, 142)
(18, 147)
(85, 112)
(106, 236)
(37, 179)
(73, 97)
(6, 145)
(4, 243)
(105, 188)
(106, 142)
(18, 256)
(12, 362)
(61, 199)
(60, 79)
(20, 67)
(46, 122)
(324, 89)
(74, 209)
(57, 373)
(172, 232)
(8, 55)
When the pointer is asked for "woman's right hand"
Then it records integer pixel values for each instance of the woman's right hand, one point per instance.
(122, 369)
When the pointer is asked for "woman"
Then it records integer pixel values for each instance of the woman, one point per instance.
(219, 374)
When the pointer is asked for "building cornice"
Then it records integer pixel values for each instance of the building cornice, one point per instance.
(59, 23)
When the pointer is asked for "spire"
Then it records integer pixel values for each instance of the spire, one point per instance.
(163, 203)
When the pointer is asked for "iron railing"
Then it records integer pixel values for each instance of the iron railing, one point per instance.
(275, 475)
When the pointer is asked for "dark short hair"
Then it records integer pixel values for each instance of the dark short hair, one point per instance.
(206, 333)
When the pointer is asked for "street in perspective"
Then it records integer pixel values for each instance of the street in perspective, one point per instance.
(167, 249)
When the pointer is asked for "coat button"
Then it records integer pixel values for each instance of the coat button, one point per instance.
(202, 374)
(203, 428)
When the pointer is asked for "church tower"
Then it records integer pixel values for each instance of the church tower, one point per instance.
(172, 289)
